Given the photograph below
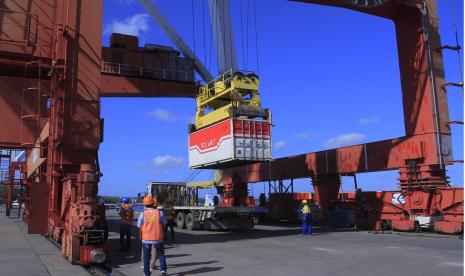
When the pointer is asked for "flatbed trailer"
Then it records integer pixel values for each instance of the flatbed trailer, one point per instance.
(213, 218)
(180, 204)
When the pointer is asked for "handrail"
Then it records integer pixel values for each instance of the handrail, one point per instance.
(146, 71)
(30, 28)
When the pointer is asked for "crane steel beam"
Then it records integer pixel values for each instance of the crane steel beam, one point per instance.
(371, 157)
(173, 35)
(122, 86)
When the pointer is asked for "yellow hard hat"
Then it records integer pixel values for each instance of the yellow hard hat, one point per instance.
(304, 201)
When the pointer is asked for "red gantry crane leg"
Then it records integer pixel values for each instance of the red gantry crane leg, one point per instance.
(51, 78)
(421, 156)
(62, 54)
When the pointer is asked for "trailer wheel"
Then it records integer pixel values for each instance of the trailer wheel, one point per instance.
(181, 220)
(190, 222)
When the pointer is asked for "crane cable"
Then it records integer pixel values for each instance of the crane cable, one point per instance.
(210, 10)
(454, 16)
(242, 33)
(231, 46)
(247, 36)
(224, 38)
(256, 35)
(193, 27)
(204, 35)
(213, 21)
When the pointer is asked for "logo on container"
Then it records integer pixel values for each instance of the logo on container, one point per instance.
(208, 144)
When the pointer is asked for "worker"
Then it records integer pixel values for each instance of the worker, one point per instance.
(170, 225)
(306, 218)
(151, 223)
(127, 216)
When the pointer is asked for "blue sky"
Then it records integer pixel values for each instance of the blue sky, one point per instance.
(329, 75)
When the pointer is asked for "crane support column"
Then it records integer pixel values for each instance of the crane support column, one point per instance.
(326, 187)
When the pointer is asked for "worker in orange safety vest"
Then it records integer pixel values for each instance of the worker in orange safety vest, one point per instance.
(152, 228)
(126, 214)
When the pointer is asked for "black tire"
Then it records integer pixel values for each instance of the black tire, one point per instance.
(181, 220)
(190, 222)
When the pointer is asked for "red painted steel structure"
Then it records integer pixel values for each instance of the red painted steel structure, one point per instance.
(420, 156)
(51, 82)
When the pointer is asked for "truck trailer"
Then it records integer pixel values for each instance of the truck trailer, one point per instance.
(180, 204)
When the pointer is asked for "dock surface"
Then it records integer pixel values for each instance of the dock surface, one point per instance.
(281, 250)
(30, 255)
(265, 250)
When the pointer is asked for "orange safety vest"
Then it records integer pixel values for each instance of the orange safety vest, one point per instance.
(152, 229)
(127, 214)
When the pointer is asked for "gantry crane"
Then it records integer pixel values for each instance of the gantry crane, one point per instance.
(226, 105)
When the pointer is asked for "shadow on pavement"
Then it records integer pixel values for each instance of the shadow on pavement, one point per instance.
(197, 271)
(183, 236)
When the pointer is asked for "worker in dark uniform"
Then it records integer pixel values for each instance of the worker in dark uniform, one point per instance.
(306, 219)
(126, 214)
(170, 225)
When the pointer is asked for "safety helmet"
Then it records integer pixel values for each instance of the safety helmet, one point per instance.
(125, 199)
(148, 200)
(304, 201)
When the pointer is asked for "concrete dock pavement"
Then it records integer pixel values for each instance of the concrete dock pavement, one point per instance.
(271, 250)
(276, 250)
(30, 255)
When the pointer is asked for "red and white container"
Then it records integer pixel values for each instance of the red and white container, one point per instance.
(229, 143)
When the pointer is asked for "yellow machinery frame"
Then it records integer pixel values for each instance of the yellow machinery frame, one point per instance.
(232, 94)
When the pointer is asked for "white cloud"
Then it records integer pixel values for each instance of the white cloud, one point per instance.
(158, 172)
(280, 144)
(168, 161)
(302, 136)
(344, 140)
(368, 120)
(132, 25)
(163, 115)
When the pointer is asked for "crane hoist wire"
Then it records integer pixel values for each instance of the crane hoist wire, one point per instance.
(224, 32)
(256, 34)
(454, 17)
(210, 51)
(213, 15)
(247, 36)
(230, 37)
(242, 32)
(204, 34)
(191, 175)
(193, 27)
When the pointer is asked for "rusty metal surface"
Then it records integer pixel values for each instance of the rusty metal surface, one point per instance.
(377, 156)
(28, 21)
(120, 86)
(14, 103)
(52, 50)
